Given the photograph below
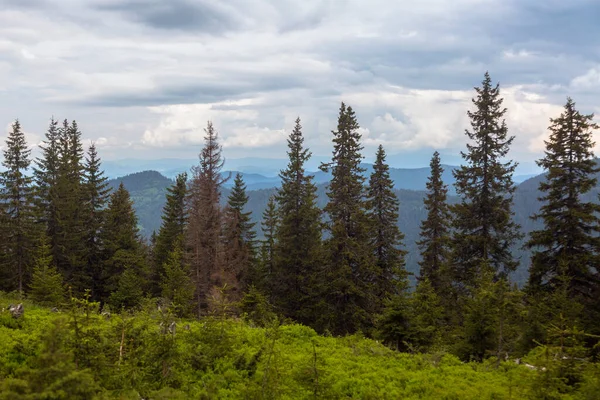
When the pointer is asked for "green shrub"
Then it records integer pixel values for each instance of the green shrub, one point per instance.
(151, 354)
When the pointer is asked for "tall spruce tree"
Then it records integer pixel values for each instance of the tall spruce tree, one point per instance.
(203, 233)
(46, 176)
(239, 236)
(434, 240)
(386, 238)
(298, 249)
(174, 220)
(568, 246)
(69, 240)
(263, 275)
(350, 265)
(484, 228)
(95, 197)
(124, 274)
(18, 223)
(5, 272)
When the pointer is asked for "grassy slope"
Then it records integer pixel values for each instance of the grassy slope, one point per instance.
(230, 359)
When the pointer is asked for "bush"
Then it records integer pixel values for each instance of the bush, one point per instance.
(151, 354)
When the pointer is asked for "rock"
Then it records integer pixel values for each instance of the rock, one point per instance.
(172, 328)
(16, 311)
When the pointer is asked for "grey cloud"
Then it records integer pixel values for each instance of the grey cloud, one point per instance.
(311, 20)
(561, 28)
(190, 91)
(198, 16)
(23, 3)
(452, 53)
(154, 98)
(294, 57)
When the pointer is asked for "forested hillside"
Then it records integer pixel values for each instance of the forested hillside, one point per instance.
(336, 260)
(148, 191)
(148, 194)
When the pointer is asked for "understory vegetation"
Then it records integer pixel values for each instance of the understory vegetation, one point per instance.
(82, 352)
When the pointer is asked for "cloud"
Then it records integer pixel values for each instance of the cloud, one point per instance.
(517, 55)
(183, 125)
(402, 119)
(33, 139)
(146, 75)
(254, 137)
(588, 81)
(202, 16)
(417, 119)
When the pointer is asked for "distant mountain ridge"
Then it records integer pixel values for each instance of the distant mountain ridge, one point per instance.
(270, 167)
(148, 190)
(404, 178)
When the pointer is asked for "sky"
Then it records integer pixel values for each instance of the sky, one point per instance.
(143, 77)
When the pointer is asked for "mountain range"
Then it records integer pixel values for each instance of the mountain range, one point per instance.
(269, 168)
(148, 190)
(404, 178)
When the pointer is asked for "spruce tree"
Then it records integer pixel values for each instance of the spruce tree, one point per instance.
(263, 276)
(412, 321)
(176, 282)
(434, 240)
(47, 286)
(298, 237)
(46, 177)
(480, 320)
(350, 265)
(426, 316)
(6, 278)
(174, 220)
(239, 236)
(124, 274)
(69, 251)
(203, 233)
(95, 196)
(483, 220)
(385, 237)
(492, 319)
(394, 324)
(18, 228)
(568, 245)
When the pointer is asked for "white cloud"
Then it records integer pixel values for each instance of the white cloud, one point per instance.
(528, 118)
(412, 119)
(182, 125)
(588, 81)
(429, 117)
(433, 118)
(254, 137)
(33, 139)
(27, 54)
(512, 54)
